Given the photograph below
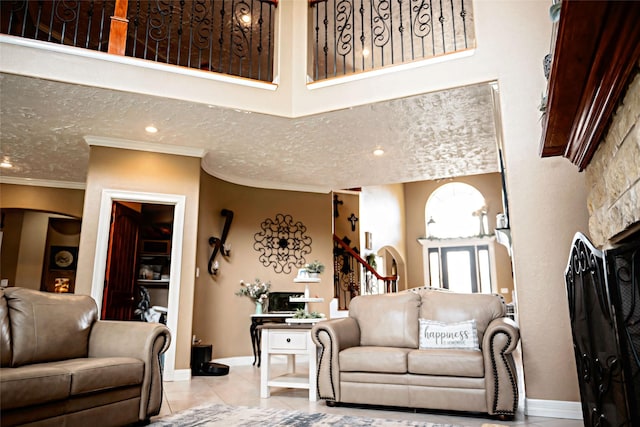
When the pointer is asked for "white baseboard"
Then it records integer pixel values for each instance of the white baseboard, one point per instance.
(179, 375)
(553, 409)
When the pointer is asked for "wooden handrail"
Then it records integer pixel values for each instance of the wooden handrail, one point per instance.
(358, 258)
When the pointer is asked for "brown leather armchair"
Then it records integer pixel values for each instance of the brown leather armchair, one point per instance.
(60, 365)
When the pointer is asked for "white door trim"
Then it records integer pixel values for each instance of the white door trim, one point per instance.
(102, 245)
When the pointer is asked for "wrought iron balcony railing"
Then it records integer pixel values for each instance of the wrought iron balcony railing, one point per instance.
(237, 37)
(351, 36)
(226, 36)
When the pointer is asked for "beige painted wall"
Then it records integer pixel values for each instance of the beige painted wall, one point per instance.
(57, 200)
(140, 171)
(222, 318)
(382, 213)
(28, 200)
(12, 231)
(417, 194)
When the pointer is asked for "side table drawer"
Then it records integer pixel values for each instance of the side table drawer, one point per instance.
(287, 340)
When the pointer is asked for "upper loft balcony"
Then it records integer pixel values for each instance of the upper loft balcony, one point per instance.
(260, 44)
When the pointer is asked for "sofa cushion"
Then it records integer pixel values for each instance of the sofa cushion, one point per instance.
(374, 359)
(5, 332)
(450, 307)
(98, 374)
(389, 320)
(446, 362)
(47, 327)
(434, 334)
(33, 385)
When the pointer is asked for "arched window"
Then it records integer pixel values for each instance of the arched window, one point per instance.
(456, 210)
(457, 255)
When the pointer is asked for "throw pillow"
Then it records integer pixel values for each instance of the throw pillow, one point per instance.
(462, 335)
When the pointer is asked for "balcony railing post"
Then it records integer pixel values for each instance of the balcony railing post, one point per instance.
(119, 25)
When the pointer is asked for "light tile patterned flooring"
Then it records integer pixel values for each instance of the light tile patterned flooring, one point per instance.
(241, 387)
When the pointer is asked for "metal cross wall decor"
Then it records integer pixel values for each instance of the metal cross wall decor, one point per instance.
(282, 243)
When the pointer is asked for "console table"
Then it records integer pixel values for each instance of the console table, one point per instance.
(257, 320)
(290, 340)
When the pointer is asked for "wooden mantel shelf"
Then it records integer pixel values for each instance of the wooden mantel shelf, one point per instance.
(596, 50)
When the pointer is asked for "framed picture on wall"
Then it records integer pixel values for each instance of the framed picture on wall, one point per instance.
(63, 258)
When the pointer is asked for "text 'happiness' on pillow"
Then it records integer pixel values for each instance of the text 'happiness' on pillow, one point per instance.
(462, 335)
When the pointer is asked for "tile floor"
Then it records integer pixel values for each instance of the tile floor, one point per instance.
(241, 387)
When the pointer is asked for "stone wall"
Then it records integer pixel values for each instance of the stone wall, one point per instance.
(613, 176)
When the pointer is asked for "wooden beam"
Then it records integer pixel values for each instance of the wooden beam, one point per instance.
(118, 30)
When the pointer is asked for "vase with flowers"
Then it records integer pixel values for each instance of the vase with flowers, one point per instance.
(258, 291)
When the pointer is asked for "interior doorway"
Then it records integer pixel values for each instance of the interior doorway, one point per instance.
(138, 270)
(178, 203)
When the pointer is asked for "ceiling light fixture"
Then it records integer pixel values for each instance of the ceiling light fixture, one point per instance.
(365, 52)
(6, 164)
(151, 129)
(246, 18)
(378, 152)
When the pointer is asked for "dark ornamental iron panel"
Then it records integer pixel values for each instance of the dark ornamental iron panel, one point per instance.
(623, 282)
(282, 243)
(226, 36)
(79, 23)
(602, 367)
(351, 36)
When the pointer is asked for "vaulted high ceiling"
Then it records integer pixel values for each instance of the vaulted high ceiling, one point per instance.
(428, 136)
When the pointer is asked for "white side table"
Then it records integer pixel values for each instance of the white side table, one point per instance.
(289, 340)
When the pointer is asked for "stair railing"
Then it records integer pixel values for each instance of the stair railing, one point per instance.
(354, 276)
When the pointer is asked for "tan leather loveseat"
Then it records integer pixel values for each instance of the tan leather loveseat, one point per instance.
(373, 356)
(61, 366)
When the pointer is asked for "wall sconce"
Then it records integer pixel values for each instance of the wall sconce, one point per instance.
(219, 244)
(214, 268)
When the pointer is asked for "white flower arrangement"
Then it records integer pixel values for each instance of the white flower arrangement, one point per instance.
(258, 291)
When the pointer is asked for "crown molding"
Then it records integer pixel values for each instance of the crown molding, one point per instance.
(269, 185)
(127, 144)
(14, 180)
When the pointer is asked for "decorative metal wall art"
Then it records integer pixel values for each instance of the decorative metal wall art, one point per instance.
(353, 219)
(219, 244)
(282, 243)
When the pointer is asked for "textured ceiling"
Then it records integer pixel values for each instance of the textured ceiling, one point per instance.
(429, 136)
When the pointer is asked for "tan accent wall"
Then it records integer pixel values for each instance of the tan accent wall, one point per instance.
(613, 176)
(139, 171)
(15, 202)
(56, 200)
(417, 194)
(222, 318)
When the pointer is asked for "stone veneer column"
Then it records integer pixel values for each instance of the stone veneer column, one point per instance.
(613, 175)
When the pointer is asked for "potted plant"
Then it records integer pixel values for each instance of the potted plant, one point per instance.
(371, 260)
(314, 268)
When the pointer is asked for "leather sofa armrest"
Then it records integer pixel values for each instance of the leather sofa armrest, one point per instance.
(500, 340)
(144, 341)
(332, 336)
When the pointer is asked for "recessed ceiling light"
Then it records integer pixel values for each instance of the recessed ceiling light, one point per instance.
(246, 18)
(151, 129)
(365, 52)
(6, 164)
(378, 152)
